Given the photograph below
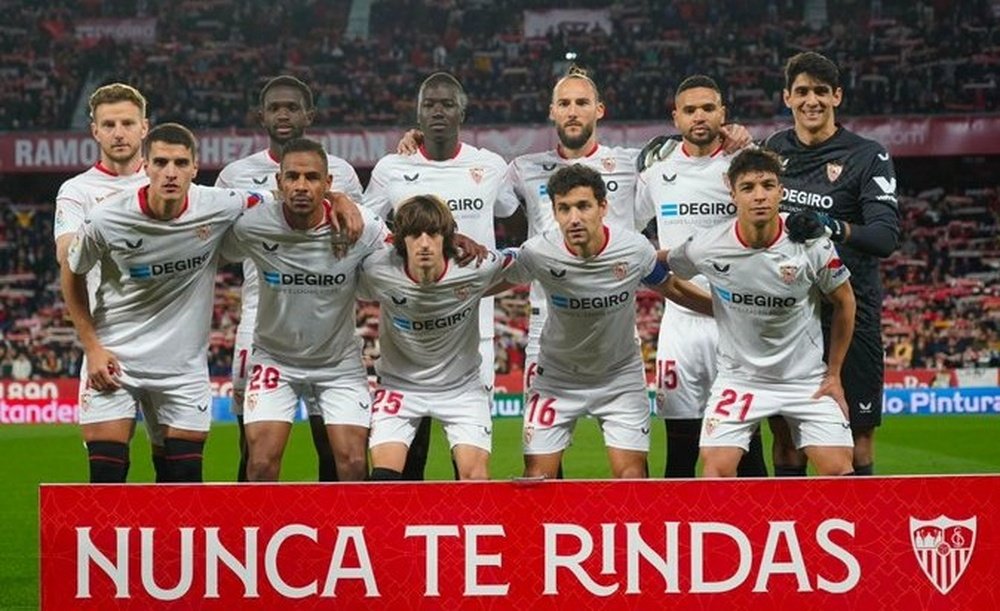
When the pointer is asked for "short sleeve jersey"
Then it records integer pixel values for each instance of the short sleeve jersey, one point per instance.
(766, 300)
(685, 195)
(78, 196)
(590, 329)
(306, 313)
(527, 179)
(153, 308)
(257, 172)
(428, 336)
(470, 183)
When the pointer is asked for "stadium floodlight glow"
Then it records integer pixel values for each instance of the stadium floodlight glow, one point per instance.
(570, 55)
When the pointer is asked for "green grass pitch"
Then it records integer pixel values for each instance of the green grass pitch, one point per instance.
(31, 454)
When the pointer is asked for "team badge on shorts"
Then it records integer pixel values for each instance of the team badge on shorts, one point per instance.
(203, 231)
(788, 273)
(609, 164)
(251, 401)
(710, 425)
(620, 270)
(833, 170)
(943, 547)
(529, 434)
(477, 175)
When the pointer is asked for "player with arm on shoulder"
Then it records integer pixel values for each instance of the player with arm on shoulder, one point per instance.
(766, 292)
(305, 346)
(846, 185)
(686, 192)
(429, 340)
(286, 110)
(118, 124)
(146, 336)
(468, 179)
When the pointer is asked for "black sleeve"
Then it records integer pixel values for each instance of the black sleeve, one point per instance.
(879, 235)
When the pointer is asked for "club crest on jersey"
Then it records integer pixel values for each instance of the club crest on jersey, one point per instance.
(788, 273)
(833, 170)
(476, 174)
(943, 547)
(463, 292)
(609, 164)
(620, 270)
(253, 199)
(203, 231)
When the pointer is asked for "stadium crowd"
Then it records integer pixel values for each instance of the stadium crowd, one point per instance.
(207, 56)
(942, 305)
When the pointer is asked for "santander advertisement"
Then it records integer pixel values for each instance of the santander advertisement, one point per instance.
(837, 543)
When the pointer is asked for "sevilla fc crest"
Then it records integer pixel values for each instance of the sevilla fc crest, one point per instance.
(463, 292)
(477, 175)
(203, 231)
(609, 164)
(943, 547)
(788, 273)
(620, 270)
(833, 170)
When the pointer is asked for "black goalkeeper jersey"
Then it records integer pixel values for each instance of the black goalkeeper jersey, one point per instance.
(851, 179)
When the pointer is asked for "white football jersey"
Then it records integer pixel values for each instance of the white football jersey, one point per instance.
(153, 307)
(78, 195)
(527, 177)
(765, 300)
(428, 335)
(258, 172)
(685, 194)
(307, 297)
(590, 330)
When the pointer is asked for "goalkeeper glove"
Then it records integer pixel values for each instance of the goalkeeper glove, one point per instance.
(804, 225)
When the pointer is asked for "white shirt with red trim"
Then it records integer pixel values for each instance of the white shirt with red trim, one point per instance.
(307, 295)
(258, 172)
(527, 179)
(590, 330)
(153, 307)
(78, 196)
(428, 335)
(470, 183)
(765, 300)
(686, 195)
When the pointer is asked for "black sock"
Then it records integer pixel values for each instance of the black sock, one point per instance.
(241, 470)
(381, 474)
(184, 460)
(108, 462)
(416, 457)
(752, 464)
(326, 466)
(868, 469)
(160, 468)
(682, 447)
(559, 473)
(789, 471)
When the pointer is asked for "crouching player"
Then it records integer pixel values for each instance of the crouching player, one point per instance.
(429, 341)
(589, 361)
(766, 293)
(304, 344)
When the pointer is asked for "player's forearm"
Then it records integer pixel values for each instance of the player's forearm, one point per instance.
(62, 247)
(74, 290)
(878, 236)
(687, 294)
(841, 331)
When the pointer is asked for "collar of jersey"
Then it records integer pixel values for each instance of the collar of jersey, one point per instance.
(406, 270)
(323, 223)
(100, 167)
(589, 153)
(423, 151)
(607, 240)
(144, 204)
(739, 238)
(715, 153)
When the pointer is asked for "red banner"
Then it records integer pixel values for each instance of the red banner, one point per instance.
(845, 543)
(904, 137)
(918, 378)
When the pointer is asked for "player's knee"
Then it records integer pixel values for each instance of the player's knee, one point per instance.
(352, 468)
(262, 470)
(381, 474)
(636, 471)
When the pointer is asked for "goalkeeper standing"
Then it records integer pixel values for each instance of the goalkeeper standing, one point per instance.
(840, 184)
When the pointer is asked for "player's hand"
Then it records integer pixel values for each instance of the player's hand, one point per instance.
(347, 223)
(735, 137)
(656, 149)
(833, 388)
(469, 250)
(410, 143)
(103, 369)
(805, 225)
